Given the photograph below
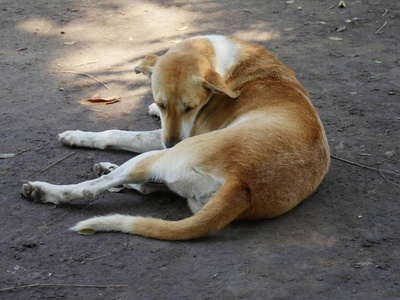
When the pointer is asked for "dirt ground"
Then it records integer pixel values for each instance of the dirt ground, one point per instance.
(341, 243)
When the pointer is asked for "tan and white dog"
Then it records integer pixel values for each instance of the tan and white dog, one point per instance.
(240, 140)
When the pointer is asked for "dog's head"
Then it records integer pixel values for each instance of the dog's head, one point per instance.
(182, 83)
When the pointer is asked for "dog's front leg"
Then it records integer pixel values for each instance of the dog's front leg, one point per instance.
(135, 141)
(51, 193)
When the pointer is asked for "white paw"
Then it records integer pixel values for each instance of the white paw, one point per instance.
(71, 137)
(104, 168)
(153, 110)
(40, 192)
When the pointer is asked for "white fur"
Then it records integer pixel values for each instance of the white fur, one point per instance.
(187, 127)
(153, 110)
(85, 190)
(177, 173)
(226, 53)
(115, 222)
(139, 141)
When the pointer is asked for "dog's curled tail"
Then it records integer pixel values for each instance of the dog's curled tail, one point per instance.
(227, 204)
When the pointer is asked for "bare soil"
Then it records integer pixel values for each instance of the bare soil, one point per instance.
(341, 243)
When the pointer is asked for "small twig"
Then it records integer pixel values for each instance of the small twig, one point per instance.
(65, 285)
(380, 28)
(90, 76)
(97, 257)
(384, 177)
(386, 11)
(88, 63)
(58, 161)
(364, 166)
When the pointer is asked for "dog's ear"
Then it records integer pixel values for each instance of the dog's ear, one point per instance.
(216, 84)
(146, 66)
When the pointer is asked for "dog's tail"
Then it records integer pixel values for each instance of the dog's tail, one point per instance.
(228, 203)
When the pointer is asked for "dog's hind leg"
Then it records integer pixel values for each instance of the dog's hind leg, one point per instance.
(135, 141)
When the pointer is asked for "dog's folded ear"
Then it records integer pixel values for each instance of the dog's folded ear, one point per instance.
(146, 66)
(216, 84)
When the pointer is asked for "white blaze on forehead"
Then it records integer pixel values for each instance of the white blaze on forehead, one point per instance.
(226, 52)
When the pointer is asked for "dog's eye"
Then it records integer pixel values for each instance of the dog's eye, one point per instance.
(189, 108)
(161, 106)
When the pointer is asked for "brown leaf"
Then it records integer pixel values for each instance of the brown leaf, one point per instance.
(97, 100)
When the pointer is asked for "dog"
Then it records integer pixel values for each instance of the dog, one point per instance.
(239, 138)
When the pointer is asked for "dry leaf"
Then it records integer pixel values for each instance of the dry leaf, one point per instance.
(7, 155)
(70, 43)
(86, 231)
(340, 28)
(97, 100)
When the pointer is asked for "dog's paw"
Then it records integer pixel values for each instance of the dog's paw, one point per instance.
(153, 110)
(104, 168)
(31, 192)
(71, 138)
(36, 191)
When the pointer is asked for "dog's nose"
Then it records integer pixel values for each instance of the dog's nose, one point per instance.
(171, 143)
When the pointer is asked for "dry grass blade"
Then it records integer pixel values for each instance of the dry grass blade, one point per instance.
(364, 166)
(380, 28)
(87, 75)
(58, 161)
(63, 285)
